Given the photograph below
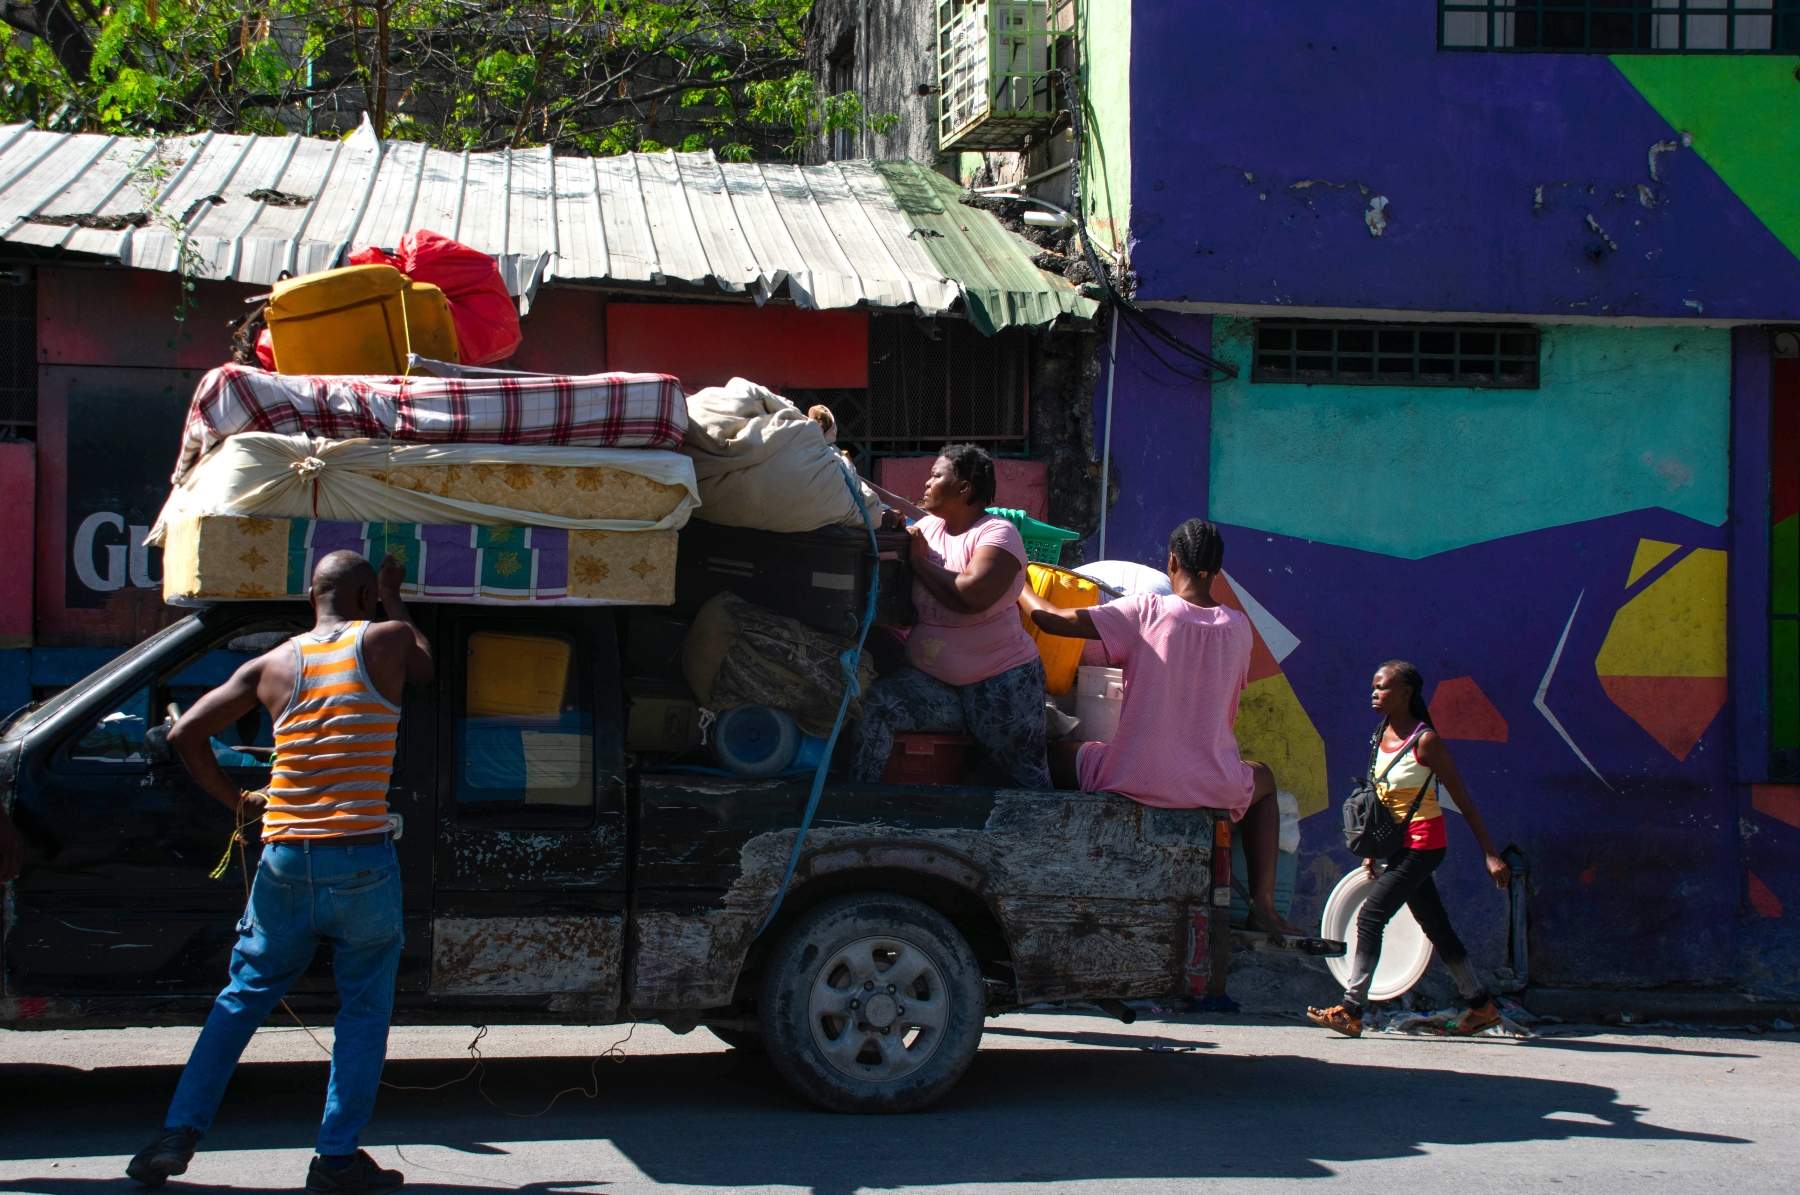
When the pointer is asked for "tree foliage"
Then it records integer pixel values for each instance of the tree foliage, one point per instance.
(591, 76)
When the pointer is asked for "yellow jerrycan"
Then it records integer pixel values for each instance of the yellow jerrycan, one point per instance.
(1069, 591)
(357, 320)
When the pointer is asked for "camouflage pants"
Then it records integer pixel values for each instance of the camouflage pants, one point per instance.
(1004, 714)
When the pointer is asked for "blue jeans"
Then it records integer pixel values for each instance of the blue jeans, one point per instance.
(306, 893)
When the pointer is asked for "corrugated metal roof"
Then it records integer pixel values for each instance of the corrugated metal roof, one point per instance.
(884, 235)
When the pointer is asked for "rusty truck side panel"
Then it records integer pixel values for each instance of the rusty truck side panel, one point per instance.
(1094, 894)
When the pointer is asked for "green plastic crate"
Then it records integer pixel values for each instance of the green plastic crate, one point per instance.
(1043, 543)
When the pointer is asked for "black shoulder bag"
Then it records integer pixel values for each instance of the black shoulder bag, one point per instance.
(1370, 831)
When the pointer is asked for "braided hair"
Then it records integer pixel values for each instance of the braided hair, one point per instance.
(971, 463)
(1411, 676)
(1198, 547)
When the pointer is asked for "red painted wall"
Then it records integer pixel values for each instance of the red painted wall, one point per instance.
(127, 317)
(1021, 484)
(708, 344)
(18, 498)
(565, 332)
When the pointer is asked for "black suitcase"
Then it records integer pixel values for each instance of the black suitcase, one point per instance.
(819, 577)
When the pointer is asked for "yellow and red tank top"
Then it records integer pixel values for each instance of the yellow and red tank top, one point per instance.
(1426, 830)
(334, 744)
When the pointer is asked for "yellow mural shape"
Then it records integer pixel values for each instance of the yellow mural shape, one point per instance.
(1273, 728)
(1650, 553)
(1676, 627)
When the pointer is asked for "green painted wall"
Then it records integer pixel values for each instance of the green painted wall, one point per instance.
(1624, 419)
(1733, 105)
(1105, 40)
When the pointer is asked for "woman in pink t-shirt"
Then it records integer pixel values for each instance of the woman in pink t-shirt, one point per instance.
(973, 668)
(1186, 659)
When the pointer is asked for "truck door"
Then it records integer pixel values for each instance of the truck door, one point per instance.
(531, 848)
(116, 897)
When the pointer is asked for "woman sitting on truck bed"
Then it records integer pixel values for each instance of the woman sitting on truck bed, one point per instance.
(1186, 659)
(973, 669)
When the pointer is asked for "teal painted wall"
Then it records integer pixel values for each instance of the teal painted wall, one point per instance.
(1625, 419)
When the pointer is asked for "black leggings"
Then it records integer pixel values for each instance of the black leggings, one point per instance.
(1406, 881)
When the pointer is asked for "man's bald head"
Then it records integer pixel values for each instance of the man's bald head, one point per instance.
(344, 584)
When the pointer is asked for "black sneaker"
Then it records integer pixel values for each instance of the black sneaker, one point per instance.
(169, 1154)
(362, 1174)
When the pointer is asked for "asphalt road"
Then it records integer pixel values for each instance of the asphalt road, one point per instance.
(1055, 1102)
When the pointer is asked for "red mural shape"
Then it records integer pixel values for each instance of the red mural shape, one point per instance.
(1779, 801)
(1460, 710)
(1675, 710)
(1262, 661)
(1763, 901)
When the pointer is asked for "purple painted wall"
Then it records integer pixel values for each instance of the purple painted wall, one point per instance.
(1618, 751)
(1263, 130)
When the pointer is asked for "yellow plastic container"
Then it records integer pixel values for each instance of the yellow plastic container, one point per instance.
(357, 320)
(517, 676)
(1067, 591)
(428, 323)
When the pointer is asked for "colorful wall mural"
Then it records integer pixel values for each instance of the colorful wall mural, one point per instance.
(1596, 575)
(1576, 659)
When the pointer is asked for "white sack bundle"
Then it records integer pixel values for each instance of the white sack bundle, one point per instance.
(762, 463)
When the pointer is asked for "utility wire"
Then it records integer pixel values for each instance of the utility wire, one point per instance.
(1136, 320)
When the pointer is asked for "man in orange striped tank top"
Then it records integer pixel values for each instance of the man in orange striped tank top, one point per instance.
(328, 871)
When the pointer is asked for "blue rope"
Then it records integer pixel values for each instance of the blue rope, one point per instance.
(848, 662)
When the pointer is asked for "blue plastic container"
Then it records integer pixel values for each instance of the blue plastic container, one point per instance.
(755, 740)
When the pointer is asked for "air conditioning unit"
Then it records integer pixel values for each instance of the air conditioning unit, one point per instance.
(996, 83)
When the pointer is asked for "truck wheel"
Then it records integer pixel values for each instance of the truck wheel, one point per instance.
(872, 1003)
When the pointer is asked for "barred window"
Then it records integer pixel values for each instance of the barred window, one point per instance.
(931, 382)
(1627, 26)
(1493, 356)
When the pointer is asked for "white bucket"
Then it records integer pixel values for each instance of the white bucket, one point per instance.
(1099, 696)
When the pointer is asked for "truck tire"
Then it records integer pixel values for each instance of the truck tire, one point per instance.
(872, 1003)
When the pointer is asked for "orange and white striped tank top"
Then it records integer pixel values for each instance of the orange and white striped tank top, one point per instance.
(334, 744)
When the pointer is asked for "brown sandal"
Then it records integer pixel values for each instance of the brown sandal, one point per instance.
(1474, 1020)
(1339, 1018)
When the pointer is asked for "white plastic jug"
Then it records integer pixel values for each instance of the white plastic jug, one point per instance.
(1099, 696)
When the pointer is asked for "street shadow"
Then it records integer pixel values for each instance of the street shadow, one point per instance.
(712, 1120)
(1584, 1045)
(1107, 1041)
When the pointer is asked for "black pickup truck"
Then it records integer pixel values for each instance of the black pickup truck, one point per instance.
(551, 877)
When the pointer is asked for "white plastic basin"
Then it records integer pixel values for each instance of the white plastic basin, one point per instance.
(1405, 950)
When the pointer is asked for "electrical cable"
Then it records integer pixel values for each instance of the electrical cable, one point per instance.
(477, 1065)
(1136, 320)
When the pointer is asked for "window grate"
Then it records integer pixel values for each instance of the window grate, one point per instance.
(1621, 26)
(1486, 356)
(931, 383)
(18, 356)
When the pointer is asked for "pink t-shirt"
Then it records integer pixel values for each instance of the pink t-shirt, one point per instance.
(958, 648)
(1184, 668)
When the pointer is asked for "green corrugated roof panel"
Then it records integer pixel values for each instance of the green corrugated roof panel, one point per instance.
(1001, 287)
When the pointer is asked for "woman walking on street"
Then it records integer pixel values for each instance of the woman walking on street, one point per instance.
(1411, 762)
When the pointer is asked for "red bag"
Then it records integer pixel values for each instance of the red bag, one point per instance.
(486, 318)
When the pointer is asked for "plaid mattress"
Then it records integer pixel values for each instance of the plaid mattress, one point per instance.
(603, 410)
